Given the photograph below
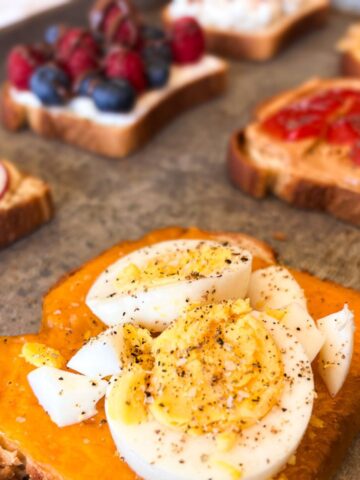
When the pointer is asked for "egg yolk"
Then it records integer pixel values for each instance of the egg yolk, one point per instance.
(190, 264)
(136, 348)
(216, 370)
(40, 355)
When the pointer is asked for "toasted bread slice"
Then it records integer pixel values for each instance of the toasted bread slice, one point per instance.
(263, 44)
(309, 173)
(86, 450)
(119, 135)
(26, 205)
(349, 48)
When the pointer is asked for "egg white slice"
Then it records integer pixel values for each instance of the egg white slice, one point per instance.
(100, 356)
(303, 326)
(68, 398)
(158, 452)
(274, 287)
(157, 306)
(336, 354)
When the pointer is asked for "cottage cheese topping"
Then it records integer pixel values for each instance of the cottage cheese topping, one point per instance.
(239, 15)
(85, 108)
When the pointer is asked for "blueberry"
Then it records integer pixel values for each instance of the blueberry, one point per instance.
(114, 96)
(52, 33)
(157, 51)
(149, 32)
(157, 73)
(50, 84)
(85, 85)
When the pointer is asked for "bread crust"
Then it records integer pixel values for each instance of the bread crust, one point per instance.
(350, 64)
(29, 207)
(111, 141)
(263, 45)
(300, 192)
(308, 192)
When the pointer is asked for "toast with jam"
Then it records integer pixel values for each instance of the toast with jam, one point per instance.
(304, 147)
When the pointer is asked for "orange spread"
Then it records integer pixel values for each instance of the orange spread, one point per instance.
(86, 450)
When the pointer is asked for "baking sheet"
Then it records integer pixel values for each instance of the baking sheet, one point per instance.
(179, 178)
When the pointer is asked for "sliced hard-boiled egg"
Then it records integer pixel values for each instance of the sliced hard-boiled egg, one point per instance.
(229, 397)
(274, 287)
(275, 290)
(336, 354)
(67, 397)
(111, 351)
(298, 320)
(153, 285)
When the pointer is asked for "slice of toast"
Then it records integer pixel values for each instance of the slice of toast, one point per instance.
(26, 205)
(309, 173)
(263, 44)
(196, 84)
(349, 47)
(86, 450)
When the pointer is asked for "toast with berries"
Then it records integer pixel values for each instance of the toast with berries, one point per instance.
(304, 146)
(86, 449)
(25, 203)
(110, 89)
(349, 48)
(249, 31)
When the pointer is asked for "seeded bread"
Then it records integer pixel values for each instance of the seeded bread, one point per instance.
(266, 43)
(26, 205)
(307, 174)
(110, 140)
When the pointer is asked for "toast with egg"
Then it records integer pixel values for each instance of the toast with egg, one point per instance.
(349, 49)
(31, 443)
(25, 203)
(263, 44)
(303, 147)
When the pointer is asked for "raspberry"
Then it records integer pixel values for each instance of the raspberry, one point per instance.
(105, 12)
(127, 33)
(121, 63)
(187, 40)
(120, 27)
(73, 39)
(112, 16)
(22, 62)
(80, 61)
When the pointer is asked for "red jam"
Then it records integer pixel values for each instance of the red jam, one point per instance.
(292, 124)
(344, 130)
(355, 154)
(333, 115)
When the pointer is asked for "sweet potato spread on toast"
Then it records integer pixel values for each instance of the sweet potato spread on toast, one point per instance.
(86, 450)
